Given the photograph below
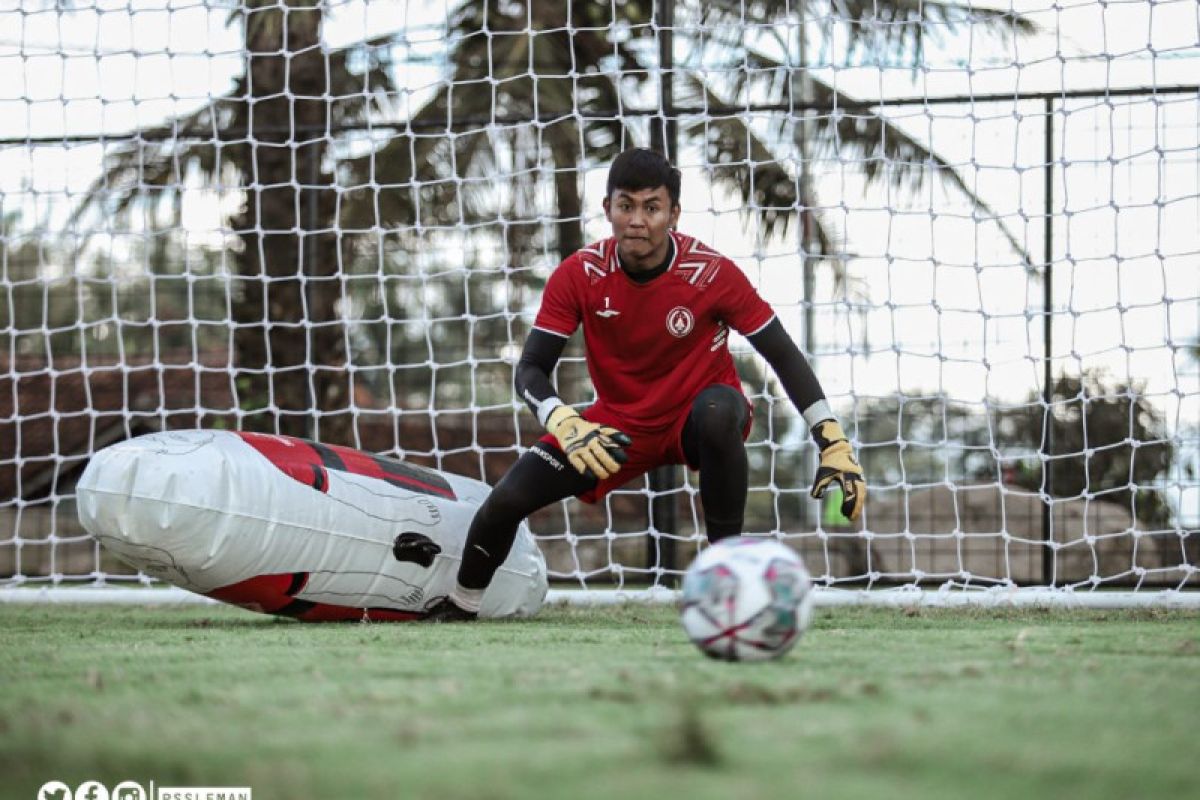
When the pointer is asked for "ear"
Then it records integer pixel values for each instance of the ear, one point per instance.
(675, 211)
(607, 209)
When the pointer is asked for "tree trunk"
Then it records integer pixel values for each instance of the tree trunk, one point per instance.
(566, 191)
(289, 343)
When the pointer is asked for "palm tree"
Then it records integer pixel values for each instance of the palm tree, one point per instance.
(271, 137)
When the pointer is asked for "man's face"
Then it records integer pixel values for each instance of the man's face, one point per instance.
(640, 220)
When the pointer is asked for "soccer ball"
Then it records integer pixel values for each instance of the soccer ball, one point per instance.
(746, 599)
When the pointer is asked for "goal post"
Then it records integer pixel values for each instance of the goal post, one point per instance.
(333, 220)
(906, 597)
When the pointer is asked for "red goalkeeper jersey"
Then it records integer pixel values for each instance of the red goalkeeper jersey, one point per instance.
(652, 347)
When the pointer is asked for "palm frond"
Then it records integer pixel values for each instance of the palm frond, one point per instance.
(745, 163)
(210, 138)
(440, 167)
(851, 130)
(157, 157)
(900, 28)
(740, 160)
(895, 29)
(883, 151)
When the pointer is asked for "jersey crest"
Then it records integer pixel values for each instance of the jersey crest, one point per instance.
(680, 321)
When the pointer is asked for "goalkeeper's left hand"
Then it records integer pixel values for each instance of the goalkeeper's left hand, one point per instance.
(838, 465)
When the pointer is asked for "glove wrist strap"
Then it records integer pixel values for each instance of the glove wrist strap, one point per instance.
(827, 432)
(817, 413)
(545, 408)
(559, 415)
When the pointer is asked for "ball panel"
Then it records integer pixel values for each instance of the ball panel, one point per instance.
(746, 599)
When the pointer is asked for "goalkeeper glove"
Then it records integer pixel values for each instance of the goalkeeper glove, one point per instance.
(838, 465)
(593, 449)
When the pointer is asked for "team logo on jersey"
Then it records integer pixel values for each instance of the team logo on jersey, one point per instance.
(680, 321)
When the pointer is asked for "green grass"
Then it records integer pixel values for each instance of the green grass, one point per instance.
(607, 703)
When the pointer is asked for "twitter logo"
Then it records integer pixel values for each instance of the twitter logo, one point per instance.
(54, 790)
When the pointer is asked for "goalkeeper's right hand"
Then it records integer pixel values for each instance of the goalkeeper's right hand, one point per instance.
(593, 449)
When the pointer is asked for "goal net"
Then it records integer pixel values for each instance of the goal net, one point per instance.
(334, 220)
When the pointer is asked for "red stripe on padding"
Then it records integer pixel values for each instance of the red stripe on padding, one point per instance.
(370, 466)
(265, 594)
(309, 463)
(294, 458)
(269, 594)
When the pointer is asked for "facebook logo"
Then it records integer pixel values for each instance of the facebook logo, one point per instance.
(91, 790)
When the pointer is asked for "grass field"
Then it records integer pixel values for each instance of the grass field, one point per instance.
(606, 703)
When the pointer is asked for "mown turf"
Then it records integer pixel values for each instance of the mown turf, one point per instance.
(608, 704)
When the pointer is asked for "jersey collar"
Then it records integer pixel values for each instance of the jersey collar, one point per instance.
(667, 266)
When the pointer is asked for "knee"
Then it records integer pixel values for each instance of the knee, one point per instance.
(504, 504)
(719, 414)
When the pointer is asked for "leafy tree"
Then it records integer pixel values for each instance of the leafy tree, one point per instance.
(53, 308)
(1104, 438)
(923, 440)
(30, 305)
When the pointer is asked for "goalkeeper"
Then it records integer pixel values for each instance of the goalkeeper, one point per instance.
(656, 307)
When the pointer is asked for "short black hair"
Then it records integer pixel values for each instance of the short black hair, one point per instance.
(640, 168)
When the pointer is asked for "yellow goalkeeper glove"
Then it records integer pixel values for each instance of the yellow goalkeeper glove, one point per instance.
(593, 449)
(838, 465)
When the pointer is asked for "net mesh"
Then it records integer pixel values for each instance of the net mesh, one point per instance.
(334, 219)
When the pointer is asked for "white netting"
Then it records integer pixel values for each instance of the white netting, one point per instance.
(334, 219)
